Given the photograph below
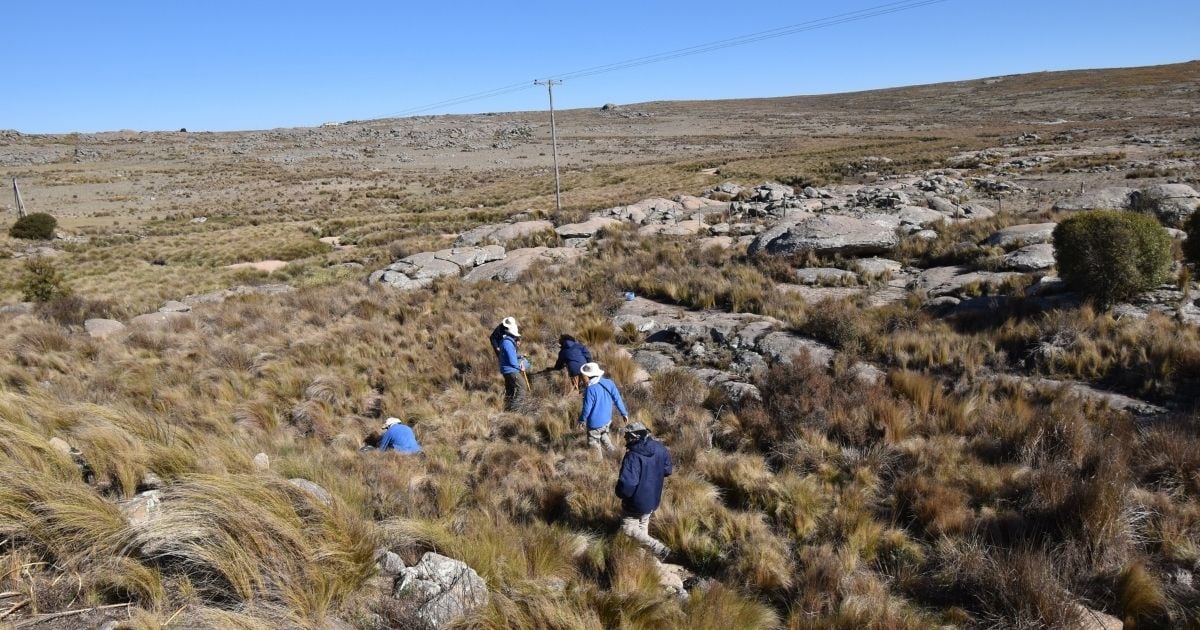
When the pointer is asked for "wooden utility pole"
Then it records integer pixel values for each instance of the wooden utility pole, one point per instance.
(17, 198)
(550, 83)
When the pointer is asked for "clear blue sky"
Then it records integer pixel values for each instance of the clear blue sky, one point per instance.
(247, 64)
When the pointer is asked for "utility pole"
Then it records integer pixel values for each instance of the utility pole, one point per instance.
(17, 199)
(550, 83)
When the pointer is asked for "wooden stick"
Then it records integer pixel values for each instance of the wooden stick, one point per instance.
(6, 594)
(15, 607)
(67, 613)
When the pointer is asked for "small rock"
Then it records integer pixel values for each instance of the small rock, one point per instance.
(321, 494)
(586, 229)
(825, 276)
(142, 508)
(61, 446)
(262, 462)
(388, 562)
(875, 267)
(151, 481)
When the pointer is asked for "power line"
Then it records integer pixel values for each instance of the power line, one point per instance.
(741, 40)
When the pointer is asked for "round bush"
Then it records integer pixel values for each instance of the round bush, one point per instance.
(1111, 256)
(38, 226)
(1191, 247)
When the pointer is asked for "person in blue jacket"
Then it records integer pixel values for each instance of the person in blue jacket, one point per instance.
(505, 340)
(398, 437)
(572, 355)
(640, 484)
(599, 399)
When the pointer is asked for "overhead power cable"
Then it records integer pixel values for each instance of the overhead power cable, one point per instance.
(741, 40)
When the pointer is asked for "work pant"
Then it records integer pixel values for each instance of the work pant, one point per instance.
(576, 383)
(637, 527)
(598, 438)
(515, 390)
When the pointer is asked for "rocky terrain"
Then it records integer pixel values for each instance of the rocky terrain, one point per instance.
(840, 313)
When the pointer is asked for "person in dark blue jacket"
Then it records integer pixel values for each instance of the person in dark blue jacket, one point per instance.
(398, 437)
(505, 339)
(640, 485)
(599, 399)
(572, 355)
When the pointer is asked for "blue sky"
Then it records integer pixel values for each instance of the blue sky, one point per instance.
(217, 65)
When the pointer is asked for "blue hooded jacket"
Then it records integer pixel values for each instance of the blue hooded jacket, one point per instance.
(643, 469)
(598, 401)
(505, 346)
(572, 355)
(401, 438)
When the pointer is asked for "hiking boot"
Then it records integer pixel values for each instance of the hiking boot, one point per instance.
(663, 554)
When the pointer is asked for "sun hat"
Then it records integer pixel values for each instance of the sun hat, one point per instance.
(390, 421)
(510, 325)
(591, 370)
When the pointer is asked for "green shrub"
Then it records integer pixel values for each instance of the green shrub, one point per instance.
(1111, 256)
(38, 226)
(43, 281)
(1191, 247)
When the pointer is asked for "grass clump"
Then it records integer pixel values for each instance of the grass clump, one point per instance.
(1112, 256)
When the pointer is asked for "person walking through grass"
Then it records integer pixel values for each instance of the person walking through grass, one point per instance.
(572, 355)
(599, 399)
(639, 486)
(505, 340)
(398, 437)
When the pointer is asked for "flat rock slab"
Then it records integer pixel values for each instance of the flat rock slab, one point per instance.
(826, 234)
(1115, 198)
(158, 320)
(816, 295)
(1017, 235)
(1030, 258)
(945, 281)
(419, 270)
(103, 328)
(827, 276)
(586, 229)
(269, 266)
(518, 261)
(502, 233)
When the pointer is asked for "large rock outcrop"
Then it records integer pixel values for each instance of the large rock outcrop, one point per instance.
(826, 234)
(501, 233)
(518, 261)
(1171, 203)
(420, 270)
(442, 589)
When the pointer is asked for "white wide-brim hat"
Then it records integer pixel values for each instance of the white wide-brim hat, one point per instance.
(390, 421)
(591, 370)
(510, 324)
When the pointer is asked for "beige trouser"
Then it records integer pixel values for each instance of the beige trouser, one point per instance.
(598, 438)
(637, 527)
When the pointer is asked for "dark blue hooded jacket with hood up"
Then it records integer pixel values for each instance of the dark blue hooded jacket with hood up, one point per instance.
(640, 483)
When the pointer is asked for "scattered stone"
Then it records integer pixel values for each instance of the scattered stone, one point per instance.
(319, 493)
(20, 308)
(729, 188)
(151, 481)
(262, 462)
(442, 588)
(103, 328)
(174, 306)
(925, 235)
(61, 446)
(1030, 258)
(771, 192)
(825, 234)
(199, 220)
(1016, 235)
